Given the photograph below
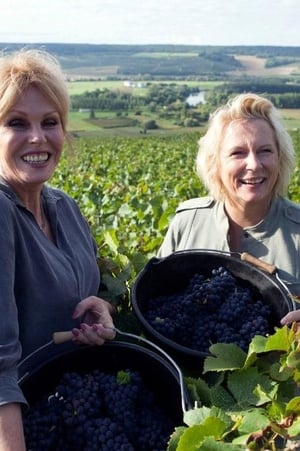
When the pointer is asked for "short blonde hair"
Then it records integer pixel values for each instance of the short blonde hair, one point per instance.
(28, 67)
(243, 106)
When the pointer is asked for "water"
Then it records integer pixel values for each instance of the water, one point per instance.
(195, 99)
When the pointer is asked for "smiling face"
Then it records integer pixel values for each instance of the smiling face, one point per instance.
(31, 141)
(249, 163)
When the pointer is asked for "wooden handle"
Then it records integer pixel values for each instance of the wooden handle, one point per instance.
(62, 337)
(271, 269)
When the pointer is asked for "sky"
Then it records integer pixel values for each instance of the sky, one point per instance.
(187, 22)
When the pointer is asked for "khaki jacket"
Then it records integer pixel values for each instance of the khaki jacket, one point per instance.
(201, 223)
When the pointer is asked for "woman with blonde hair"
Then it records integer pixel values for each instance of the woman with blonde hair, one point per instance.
(245, 161)
(49, 278)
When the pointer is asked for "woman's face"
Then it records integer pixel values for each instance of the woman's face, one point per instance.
(249, 162)
(31, 140)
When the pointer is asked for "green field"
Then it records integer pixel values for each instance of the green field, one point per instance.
(107, 123)
(79, 87)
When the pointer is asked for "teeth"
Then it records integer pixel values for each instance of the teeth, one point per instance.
(252, 182)
(35, 158)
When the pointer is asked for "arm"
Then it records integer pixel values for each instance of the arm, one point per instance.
(11, 428)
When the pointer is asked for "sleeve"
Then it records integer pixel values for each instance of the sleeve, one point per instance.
(171, 239)
(10, 348)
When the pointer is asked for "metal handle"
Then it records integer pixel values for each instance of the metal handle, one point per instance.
(63, 336)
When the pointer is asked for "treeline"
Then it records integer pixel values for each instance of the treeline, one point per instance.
(282, 93)
(75, 50)
(146, 61)
(108, 100)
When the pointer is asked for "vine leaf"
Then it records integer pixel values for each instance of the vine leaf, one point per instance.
(227, 357)
(251, 388)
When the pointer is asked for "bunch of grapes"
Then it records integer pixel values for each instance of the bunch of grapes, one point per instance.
(216, 309)
(98, 412)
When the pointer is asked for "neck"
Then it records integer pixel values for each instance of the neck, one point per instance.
(240, 218)
(245, 216)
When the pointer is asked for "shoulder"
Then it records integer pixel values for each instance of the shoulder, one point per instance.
(56, 195)
(196, 203)
(291, 210)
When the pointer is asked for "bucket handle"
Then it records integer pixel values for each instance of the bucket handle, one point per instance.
(64, 336)
(61, 337)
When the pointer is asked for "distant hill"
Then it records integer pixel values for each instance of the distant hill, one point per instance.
(167, 61)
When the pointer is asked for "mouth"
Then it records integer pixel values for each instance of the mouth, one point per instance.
(257, 181)
(34, 158)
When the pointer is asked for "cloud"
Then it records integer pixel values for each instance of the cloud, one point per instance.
(210, 22)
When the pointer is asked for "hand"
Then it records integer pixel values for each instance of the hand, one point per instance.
(98, 325)
(290, 317)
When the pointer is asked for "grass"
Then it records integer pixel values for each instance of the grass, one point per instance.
(291, 118)
(108, 124)
(79, 87)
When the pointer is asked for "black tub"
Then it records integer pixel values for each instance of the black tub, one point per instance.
(158, 373)
(170, 275)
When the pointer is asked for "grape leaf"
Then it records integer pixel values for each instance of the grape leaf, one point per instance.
(209, 444)
(227, 357)
(196, 415)
(193, 436)
(254, 420)
(293, 406)
(293, 359)
(243, 383)
(280, 340)
(220, 397)
(199, 390)
(294, 429)
(174, 438)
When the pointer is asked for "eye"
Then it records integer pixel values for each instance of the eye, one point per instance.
(50, 122)
(237, 153)
(17, 123)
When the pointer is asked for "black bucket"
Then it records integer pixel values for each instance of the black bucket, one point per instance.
(158, 374)
(171, 275)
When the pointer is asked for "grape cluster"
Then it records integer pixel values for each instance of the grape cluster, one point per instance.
(98, 412)
(215, 309)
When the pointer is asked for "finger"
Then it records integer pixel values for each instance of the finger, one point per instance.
(93, 335)
(290, 317)
(87, 336)
(108, 333)
(96, 305)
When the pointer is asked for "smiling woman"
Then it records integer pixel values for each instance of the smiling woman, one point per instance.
(245, 160)
(49, 277)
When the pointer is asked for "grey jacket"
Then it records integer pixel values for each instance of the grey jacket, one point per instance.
(40, 282)
(201, 223)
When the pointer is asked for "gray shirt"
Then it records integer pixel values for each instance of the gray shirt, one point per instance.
(40, 282)
(201, 223)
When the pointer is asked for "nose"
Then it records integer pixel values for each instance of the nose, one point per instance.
(37, 135)
(252, 161)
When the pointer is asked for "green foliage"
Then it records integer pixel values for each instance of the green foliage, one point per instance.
(128, 190)
(252, 404)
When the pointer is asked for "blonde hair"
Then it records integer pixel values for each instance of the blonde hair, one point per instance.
(28, 67)
(243, 106)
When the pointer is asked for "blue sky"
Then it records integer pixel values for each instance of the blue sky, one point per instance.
(199, 22)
